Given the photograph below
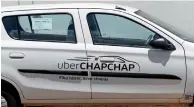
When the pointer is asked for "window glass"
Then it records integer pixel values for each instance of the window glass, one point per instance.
(11, 26)
(117, 30)
(47, 27)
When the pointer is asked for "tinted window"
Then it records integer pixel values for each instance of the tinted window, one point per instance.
(111, 29)
(47, 27)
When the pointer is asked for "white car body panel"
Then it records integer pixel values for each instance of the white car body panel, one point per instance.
(159, 61)
(189, 53)
(49, 88)
(44, 56)
(67, 6)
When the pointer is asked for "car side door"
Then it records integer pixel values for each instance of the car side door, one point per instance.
(42, 53)
(122, 63)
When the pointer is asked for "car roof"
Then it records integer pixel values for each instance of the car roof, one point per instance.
(69, 6)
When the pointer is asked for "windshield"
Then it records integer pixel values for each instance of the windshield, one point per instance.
(172, 29)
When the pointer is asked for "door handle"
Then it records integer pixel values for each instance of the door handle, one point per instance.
(107, 59)
(16, 55)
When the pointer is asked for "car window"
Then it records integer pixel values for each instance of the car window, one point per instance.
(46, 27)
(110, 29)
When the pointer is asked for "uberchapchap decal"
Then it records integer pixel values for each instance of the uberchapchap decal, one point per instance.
(97, 64)
(100, 69)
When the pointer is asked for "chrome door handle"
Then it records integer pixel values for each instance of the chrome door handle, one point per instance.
(16, 55)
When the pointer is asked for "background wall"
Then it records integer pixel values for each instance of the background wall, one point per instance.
(176, 13)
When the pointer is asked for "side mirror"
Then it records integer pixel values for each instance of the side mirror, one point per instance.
(161, 43)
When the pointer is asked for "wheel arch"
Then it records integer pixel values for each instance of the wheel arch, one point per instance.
(5, 82)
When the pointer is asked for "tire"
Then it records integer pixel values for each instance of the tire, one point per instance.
(11, 101)
(191, 105)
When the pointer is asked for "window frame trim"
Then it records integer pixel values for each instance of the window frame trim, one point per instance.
(55, 41)
(114, 14)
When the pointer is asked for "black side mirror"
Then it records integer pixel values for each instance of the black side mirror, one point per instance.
(161, 43)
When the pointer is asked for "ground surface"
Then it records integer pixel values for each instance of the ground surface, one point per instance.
(137, 105)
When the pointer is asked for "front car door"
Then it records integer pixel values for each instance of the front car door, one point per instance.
(43, 54)
(122, 63)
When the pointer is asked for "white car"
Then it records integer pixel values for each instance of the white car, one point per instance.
(92, 53)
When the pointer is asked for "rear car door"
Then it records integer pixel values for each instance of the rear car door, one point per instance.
(122, 63)
(42, 52)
